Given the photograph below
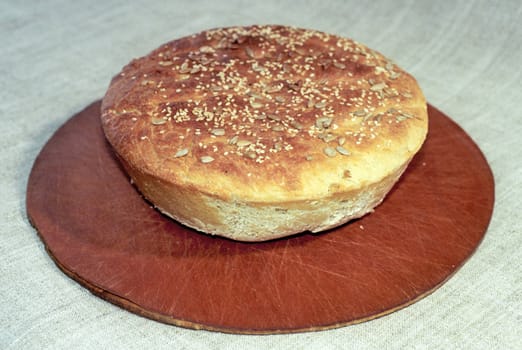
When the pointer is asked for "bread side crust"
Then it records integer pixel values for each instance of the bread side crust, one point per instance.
(259, 221)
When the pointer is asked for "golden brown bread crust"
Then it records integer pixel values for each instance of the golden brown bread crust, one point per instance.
(221, 128)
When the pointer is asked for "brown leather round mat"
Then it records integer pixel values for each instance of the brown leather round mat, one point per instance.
(101, 233)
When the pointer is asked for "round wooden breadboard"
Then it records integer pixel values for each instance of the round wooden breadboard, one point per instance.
(103, 234)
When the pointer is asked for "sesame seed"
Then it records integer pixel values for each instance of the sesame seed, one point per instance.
(274, 88)
(251, 154)
(233, 140)
(342, 150)
(243, 143)
(394, 75)
(249, 52)
(206, 159)
(379, 70)
(218, 132)
(256, 104)
(181, 153)
(321, 104)
(184, 68)
(339, 65)
(378, 87)
(158, 121)
(330, 152)
(206, 49)
(296, 125)
(323, 122)
(257, 68)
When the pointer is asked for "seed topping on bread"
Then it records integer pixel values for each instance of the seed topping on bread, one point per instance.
(253, 91)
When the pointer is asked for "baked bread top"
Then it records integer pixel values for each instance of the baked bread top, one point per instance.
(265, 114)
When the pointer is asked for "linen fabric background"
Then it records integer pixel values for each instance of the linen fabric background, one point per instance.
(58, 56)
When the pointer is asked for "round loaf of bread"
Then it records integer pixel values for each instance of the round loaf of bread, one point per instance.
(260, 132)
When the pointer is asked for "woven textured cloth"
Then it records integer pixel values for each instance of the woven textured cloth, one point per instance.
(58, 56)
